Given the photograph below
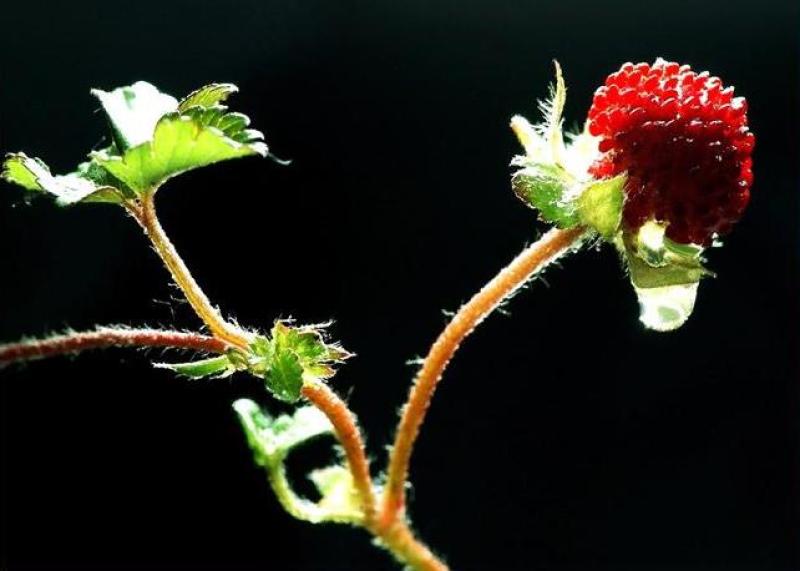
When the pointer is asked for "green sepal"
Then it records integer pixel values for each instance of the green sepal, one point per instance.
(208, 95)
(34, 175)
(214, 367)
(678, 272)
(665, 275)
(599, 206)
(543, 187)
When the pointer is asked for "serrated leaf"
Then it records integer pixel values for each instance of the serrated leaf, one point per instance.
(600, 205)
(544, 188)
(306, 343)
(207, 96)
(284, 377)
(272, 438)
(133, 111)
(216, 367)
(180, 143)
(34, 175)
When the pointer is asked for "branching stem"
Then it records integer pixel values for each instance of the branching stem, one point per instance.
(106, 337)
(145, 213)
(535, 257)
(407, 549)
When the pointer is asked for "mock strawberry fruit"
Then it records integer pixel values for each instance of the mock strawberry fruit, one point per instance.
(683, 140)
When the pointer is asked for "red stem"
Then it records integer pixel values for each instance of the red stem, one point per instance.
(71, 343)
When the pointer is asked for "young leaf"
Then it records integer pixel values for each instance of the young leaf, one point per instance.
(215, 367)
(289, 355)
(34, 175)
(272, 438)
(339, 494)
(133, 112)
(207, 96)
(284, 377)
(180, 143)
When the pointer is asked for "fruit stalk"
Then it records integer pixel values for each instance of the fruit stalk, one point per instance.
(533, 259)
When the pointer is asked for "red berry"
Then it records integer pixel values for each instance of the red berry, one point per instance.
(682, 138)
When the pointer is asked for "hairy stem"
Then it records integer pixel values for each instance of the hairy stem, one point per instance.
(407, 549)
(553, 244)
(145, 214)
(349, 436)
(105, 337)
(396, 537)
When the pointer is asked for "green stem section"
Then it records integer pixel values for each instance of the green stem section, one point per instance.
(145, 214)
(296, 506)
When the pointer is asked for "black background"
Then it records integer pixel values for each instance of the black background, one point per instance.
(564, 436)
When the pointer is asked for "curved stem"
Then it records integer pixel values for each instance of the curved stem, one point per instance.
(104, 337)
(145, 214)
(297, 507)
(553, 244)
(349, 436)
(396, 536)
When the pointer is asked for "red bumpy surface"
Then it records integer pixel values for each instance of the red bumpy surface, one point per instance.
(683, 140)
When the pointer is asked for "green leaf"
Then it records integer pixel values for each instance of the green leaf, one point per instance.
(284, 377)
(25, 171)
(338, 491)
(216, 367)
(543, 187)
(305, 342)
(34, 175)
(134, 111)
(207, 96)
(181, 143)
(600, 205)
(291, 354)
(272, 438)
